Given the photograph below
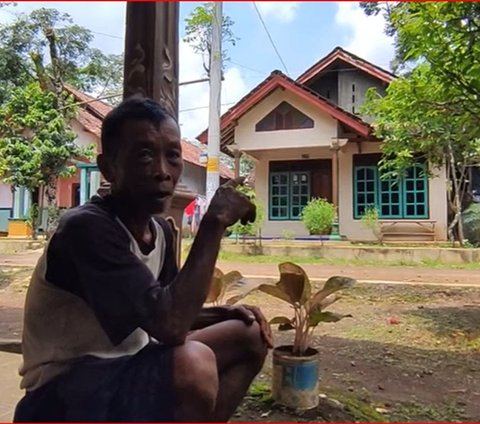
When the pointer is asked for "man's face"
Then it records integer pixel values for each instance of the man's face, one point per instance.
(148, 165)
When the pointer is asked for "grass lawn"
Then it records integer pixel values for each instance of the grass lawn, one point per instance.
(238, 257)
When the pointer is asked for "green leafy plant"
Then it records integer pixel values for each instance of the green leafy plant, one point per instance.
(228, 289)
(318, 216)
(370, 220)
(288, 234)
(198, 32)
(252, 228)
(431, 111)
(309, 309)
(471, 222)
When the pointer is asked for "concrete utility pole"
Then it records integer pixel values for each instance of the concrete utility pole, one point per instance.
(213, 177)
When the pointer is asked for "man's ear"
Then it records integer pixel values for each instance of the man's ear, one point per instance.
(105, 166)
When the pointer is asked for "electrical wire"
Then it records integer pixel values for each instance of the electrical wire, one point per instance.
(270, 38)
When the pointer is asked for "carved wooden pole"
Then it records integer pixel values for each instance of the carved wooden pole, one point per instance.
(151, 70)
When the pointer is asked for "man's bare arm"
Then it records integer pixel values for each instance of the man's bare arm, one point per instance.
(179, 304)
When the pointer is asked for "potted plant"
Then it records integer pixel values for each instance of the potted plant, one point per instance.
(296, 366)
(228, 289)
(319, 216)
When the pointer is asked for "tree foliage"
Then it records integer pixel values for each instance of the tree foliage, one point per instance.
(432, 111)
(40, 53)
(198, 32)
(36, 144)
(46, 46)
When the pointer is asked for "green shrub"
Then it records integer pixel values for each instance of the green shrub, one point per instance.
(252, 228)
(471, 224)
(288, 235)
(370, 221)
(318, 216)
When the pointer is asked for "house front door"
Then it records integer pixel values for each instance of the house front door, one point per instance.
(322, 180)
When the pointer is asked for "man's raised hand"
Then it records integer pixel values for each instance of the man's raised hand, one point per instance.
(228, 205)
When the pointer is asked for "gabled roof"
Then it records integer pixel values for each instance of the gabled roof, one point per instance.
(92, 112)
(95, 107)
(277, 79)
(340, 54)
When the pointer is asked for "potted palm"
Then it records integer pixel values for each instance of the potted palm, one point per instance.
(296, 366)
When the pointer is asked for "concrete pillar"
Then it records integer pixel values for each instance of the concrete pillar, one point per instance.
(17, 202)
(84, 183)
(27, 203)
(335, 178)
(94, 182)
(237, 155)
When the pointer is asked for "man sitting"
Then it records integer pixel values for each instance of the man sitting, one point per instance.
(113, 331)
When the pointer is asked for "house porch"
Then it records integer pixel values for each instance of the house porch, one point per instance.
(414, 208)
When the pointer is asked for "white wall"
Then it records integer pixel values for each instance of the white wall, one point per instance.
(194, 178)
(84, 138)
(321, 134)
(362, 83)
(6, 198)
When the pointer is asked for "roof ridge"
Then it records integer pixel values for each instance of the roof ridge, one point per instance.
(305, 76)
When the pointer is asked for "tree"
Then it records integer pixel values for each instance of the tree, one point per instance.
(445, 35)
(198, 32)
(36, 145)
(39, 54)
(432, 112)
(46, 46)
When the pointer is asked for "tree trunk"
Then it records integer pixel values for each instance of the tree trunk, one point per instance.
(457, 201)
(52, 218)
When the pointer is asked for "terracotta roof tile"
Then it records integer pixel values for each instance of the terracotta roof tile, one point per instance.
(96, 107)
(91, 114)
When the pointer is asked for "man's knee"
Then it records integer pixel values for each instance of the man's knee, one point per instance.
(196, 373)
(254, 345)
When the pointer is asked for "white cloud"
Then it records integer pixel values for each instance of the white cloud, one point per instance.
(281, 11)
(367, 38)
(196, 96)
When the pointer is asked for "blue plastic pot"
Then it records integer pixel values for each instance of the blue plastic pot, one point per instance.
(295, 378)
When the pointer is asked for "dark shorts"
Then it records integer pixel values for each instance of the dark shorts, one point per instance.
(135, 388)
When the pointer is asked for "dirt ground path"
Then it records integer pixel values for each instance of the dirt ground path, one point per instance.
(407, 274)
(426, 368)
(364, 272)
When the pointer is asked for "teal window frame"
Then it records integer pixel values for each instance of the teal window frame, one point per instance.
(289, 196)
(406, 198)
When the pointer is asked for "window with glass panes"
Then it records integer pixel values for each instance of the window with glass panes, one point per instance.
(289, 193)
(404, 198)
(279, 195)
(415, 196)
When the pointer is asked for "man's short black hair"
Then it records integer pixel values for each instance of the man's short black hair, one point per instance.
(133, 108)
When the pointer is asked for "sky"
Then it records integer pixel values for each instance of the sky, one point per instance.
(303, 32)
